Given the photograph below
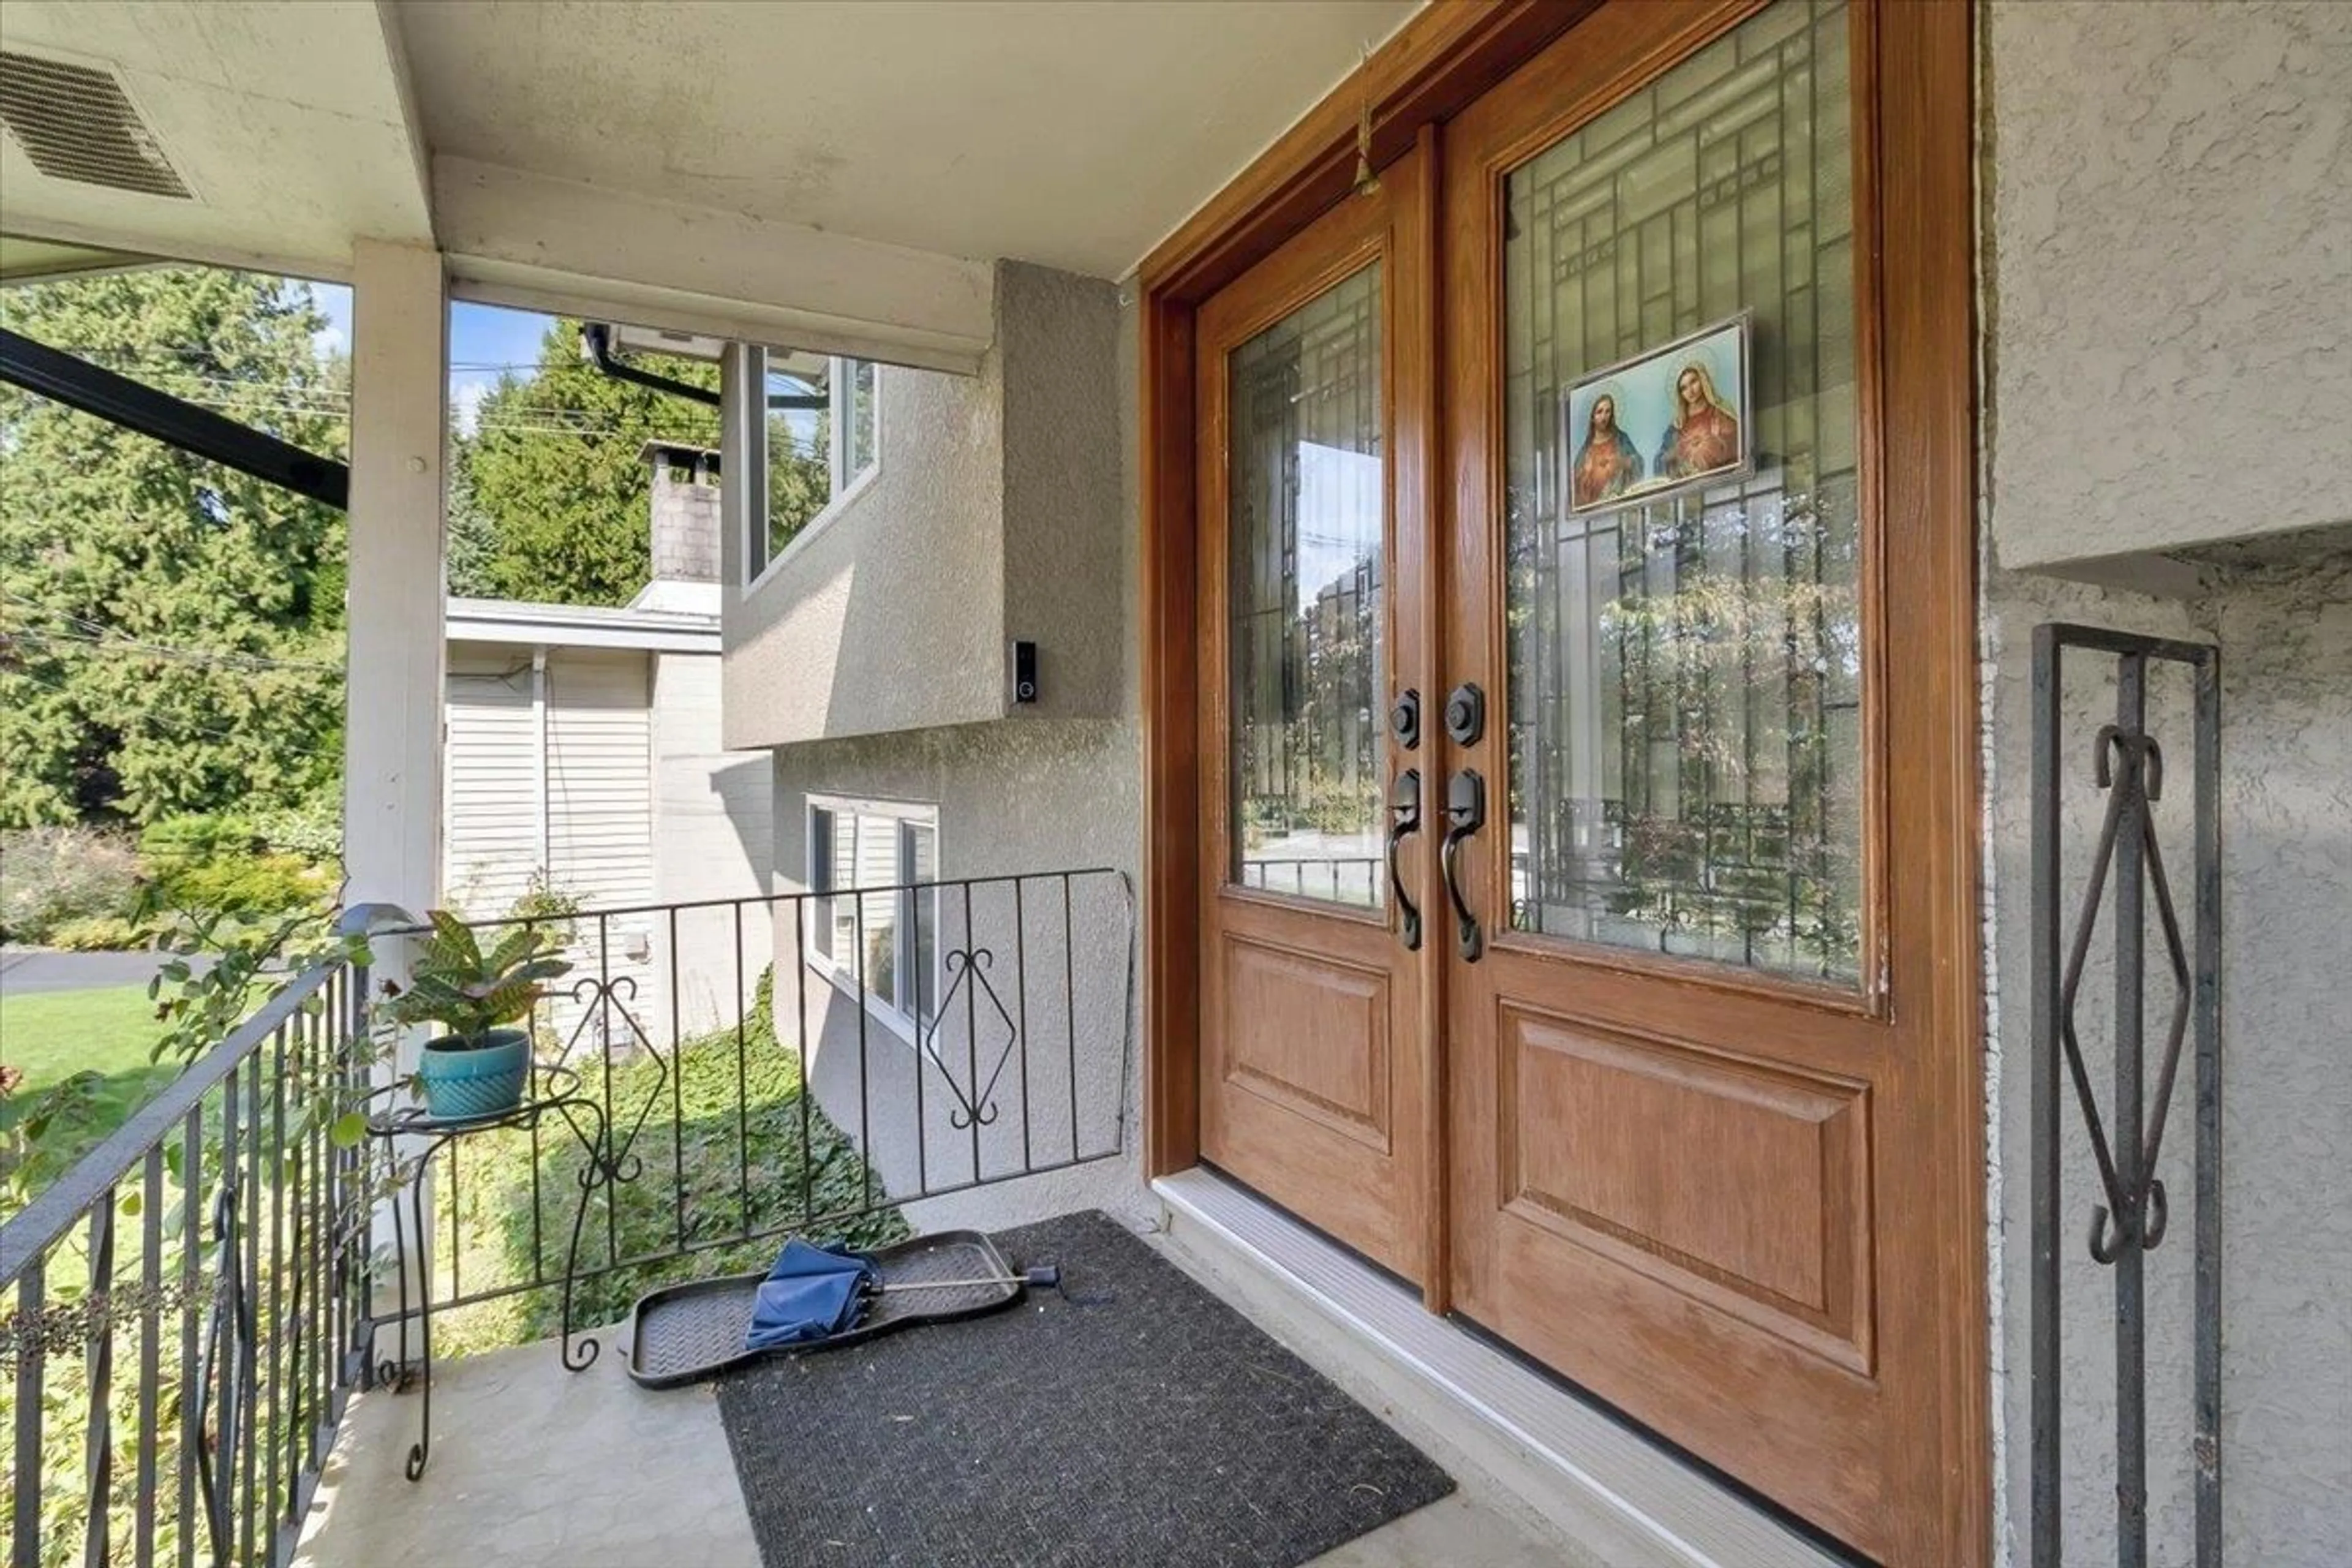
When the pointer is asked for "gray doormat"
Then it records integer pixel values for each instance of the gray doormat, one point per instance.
(1131, 1421)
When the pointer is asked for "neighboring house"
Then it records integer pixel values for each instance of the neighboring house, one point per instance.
(584, 759)
(874, 650)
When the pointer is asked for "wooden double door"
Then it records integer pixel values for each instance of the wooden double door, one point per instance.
(1585, 826)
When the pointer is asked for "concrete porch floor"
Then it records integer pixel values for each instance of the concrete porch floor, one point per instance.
(533, 1464)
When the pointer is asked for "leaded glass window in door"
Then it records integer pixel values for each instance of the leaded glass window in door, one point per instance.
(1685, 670)
(1306, 525)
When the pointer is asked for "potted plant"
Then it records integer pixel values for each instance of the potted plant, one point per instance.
(480, 1065)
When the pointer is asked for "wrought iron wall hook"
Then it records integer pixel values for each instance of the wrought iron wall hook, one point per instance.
(2143, 1226)
(2108, 1236)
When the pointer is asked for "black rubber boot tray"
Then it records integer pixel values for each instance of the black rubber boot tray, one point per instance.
(683, 1333)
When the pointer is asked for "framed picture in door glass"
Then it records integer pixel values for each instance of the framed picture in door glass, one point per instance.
(1670, 418)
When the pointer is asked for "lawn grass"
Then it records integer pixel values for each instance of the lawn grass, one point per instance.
(50, 1036)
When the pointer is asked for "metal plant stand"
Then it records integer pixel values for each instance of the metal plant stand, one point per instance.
(2128, 1211)
(392, 1115)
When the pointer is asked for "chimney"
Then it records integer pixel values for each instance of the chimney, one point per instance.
(685, 512)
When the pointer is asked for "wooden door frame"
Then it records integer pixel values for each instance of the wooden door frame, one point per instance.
(1443, 58)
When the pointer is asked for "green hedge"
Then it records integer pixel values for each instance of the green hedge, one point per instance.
(91, 888)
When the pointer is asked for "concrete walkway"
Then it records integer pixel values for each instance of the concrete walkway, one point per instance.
(26, 969)
(533, 1466)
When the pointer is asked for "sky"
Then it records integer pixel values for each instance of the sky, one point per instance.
(484, 341)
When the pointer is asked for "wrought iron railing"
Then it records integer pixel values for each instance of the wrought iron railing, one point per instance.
(760, 1075)
(186, 1305)
(190, 1306)
(2130, 1212)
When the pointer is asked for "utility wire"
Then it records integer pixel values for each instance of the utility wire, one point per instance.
(96, 636)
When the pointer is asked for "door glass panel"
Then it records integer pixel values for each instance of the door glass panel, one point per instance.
(1307, 509)
(1683, 605)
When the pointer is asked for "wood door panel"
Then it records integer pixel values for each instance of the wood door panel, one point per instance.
(1804, 1307)
(1728, 1181)
(1779, 1418)
(1314, 1081)
(1831, 1035)
(1743, 1185)
(1309, 1034)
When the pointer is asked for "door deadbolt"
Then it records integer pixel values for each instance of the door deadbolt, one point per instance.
(1405, 719)
(1465, 714)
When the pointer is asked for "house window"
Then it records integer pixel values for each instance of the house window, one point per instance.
(876, 917)
(823, 441)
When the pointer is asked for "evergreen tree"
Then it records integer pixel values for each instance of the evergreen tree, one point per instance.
(171, 631)
(469, 540)
(551, 495)
(556, 470)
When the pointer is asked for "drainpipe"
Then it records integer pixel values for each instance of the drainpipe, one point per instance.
(596, 342)
(538, 759)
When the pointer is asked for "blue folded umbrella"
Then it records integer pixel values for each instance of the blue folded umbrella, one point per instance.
(813, 1293)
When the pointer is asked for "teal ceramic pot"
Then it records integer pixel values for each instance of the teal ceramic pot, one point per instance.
(463, 1079)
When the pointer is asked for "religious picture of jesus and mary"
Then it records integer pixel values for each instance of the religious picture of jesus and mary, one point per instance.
(1665, 418)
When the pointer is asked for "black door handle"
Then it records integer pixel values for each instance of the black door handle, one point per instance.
(1465, 813)
(1404, 819)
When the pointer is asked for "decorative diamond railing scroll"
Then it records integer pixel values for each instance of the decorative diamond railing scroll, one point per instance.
(2130, 768)
(968, 970)
(599, 997)
(2126, 1132)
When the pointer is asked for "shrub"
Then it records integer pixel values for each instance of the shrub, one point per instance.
(195, 838)
(314, 830)
(98, 933)
(52, 875)
(261, 885)
(548, 907)
(220, 865)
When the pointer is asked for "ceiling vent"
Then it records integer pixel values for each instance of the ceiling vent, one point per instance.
(75, 124)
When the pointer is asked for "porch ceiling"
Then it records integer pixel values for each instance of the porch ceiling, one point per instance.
(830, 175)
(285, 123)
(1073, 133)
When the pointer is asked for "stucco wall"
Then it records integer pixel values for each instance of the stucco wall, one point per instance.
(1013, 798)
(992, 516)
(2166, 276)
(2171, 199)
(2286, 636)
(1066, 532)
(1028, 794)
(887, 615)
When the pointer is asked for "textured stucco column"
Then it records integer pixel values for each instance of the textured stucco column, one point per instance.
(392, 738)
